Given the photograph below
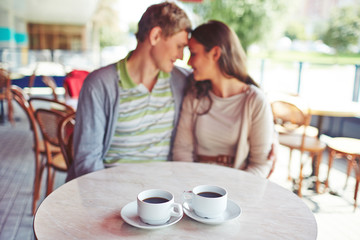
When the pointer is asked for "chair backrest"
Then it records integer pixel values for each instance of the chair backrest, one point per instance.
(5, 83)
(49, 121)
(50, 82)
(22, 99)
(291, 117)
(35, 103)
(32, 80)
(49, 117)
(65, 135)
(46, 103)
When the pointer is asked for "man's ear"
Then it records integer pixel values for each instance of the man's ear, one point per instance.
(155, 35)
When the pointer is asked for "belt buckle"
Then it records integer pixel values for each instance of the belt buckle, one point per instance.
(224, 159)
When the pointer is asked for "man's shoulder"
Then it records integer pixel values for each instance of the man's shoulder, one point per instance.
(180, 72)
(104, 72)
(101, 75)
(178, 80)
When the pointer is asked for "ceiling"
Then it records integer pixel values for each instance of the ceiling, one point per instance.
(52, 11)
(67, 11)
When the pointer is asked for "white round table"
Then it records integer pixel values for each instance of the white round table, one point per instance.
(89, 207)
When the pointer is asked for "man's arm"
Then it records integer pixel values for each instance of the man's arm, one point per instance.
(89, 131)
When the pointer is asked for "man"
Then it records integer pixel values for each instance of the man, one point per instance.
(128, 111)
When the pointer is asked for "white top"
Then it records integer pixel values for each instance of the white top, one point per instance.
(217, 132)
(241, 126)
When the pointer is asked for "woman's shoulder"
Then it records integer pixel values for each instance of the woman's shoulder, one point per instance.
(256, 96)
(256, 92)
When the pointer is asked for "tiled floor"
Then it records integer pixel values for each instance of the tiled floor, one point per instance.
(335, 215)
(16, 179)
(333, 209)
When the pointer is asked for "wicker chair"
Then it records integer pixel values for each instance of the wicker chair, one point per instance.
(290, 116)
(349, 149)
(50, 82)
(49, 121)
(39, 146)
(65, 135)
(5, 94)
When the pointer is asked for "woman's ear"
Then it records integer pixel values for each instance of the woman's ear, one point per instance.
(216, 53)
(155, 35)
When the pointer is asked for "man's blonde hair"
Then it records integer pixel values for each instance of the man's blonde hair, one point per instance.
(168, 16)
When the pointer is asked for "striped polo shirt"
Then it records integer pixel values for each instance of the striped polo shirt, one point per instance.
(145, 121)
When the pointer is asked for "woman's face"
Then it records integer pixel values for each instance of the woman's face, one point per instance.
(201, 61)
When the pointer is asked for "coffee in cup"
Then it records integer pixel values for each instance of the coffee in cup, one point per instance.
(156, 206)
(207, 201)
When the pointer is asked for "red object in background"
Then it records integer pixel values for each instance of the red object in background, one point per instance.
(74, 81)
(191, 0)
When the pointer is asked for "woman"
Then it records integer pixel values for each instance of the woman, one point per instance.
(225, 117)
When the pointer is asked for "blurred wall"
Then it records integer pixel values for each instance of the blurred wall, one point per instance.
(26, 27)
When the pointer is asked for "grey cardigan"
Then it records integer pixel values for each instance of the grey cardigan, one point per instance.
(97, 112)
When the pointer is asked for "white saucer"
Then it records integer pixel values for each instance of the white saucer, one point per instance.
(232, 211)
(130, 216)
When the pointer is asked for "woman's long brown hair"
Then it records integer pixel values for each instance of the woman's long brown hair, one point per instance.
(232, 61)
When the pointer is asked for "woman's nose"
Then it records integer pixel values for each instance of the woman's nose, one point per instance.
(189, 61)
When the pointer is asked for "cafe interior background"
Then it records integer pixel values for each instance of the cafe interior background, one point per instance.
(54, 37)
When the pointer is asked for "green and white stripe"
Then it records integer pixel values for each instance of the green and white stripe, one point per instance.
(145, 123)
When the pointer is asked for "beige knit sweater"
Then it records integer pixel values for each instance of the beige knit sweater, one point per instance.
(240, 126)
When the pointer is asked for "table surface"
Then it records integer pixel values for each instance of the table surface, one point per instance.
(15, 76)
(335, 109)
(89, 207)
(345, 145)
(317, 106)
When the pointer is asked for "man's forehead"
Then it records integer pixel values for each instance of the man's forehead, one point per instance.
(181, 36)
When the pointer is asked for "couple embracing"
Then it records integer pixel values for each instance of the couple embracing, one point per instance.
(144, 108)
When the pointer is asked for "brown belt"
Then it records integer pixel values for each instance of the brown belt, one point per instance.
(220, 159)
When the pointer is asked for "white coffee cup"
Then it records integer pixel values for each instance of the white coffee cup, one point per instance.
(207, 201)
(156, 206)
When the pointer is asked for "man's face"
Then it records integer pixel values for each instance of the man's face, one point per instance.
(168, 50)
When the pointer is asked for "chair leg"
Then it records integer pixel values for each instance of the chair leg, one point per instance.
(355, 194)
(11, 112)
(357, 171)
(331, 159)
(36, 190)
(348, 170)
(50, 176)
(289, 166)
(300, 174)
(317, 169)
(35, 198)
(50, 180)
(37, 181)
(300, 180)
